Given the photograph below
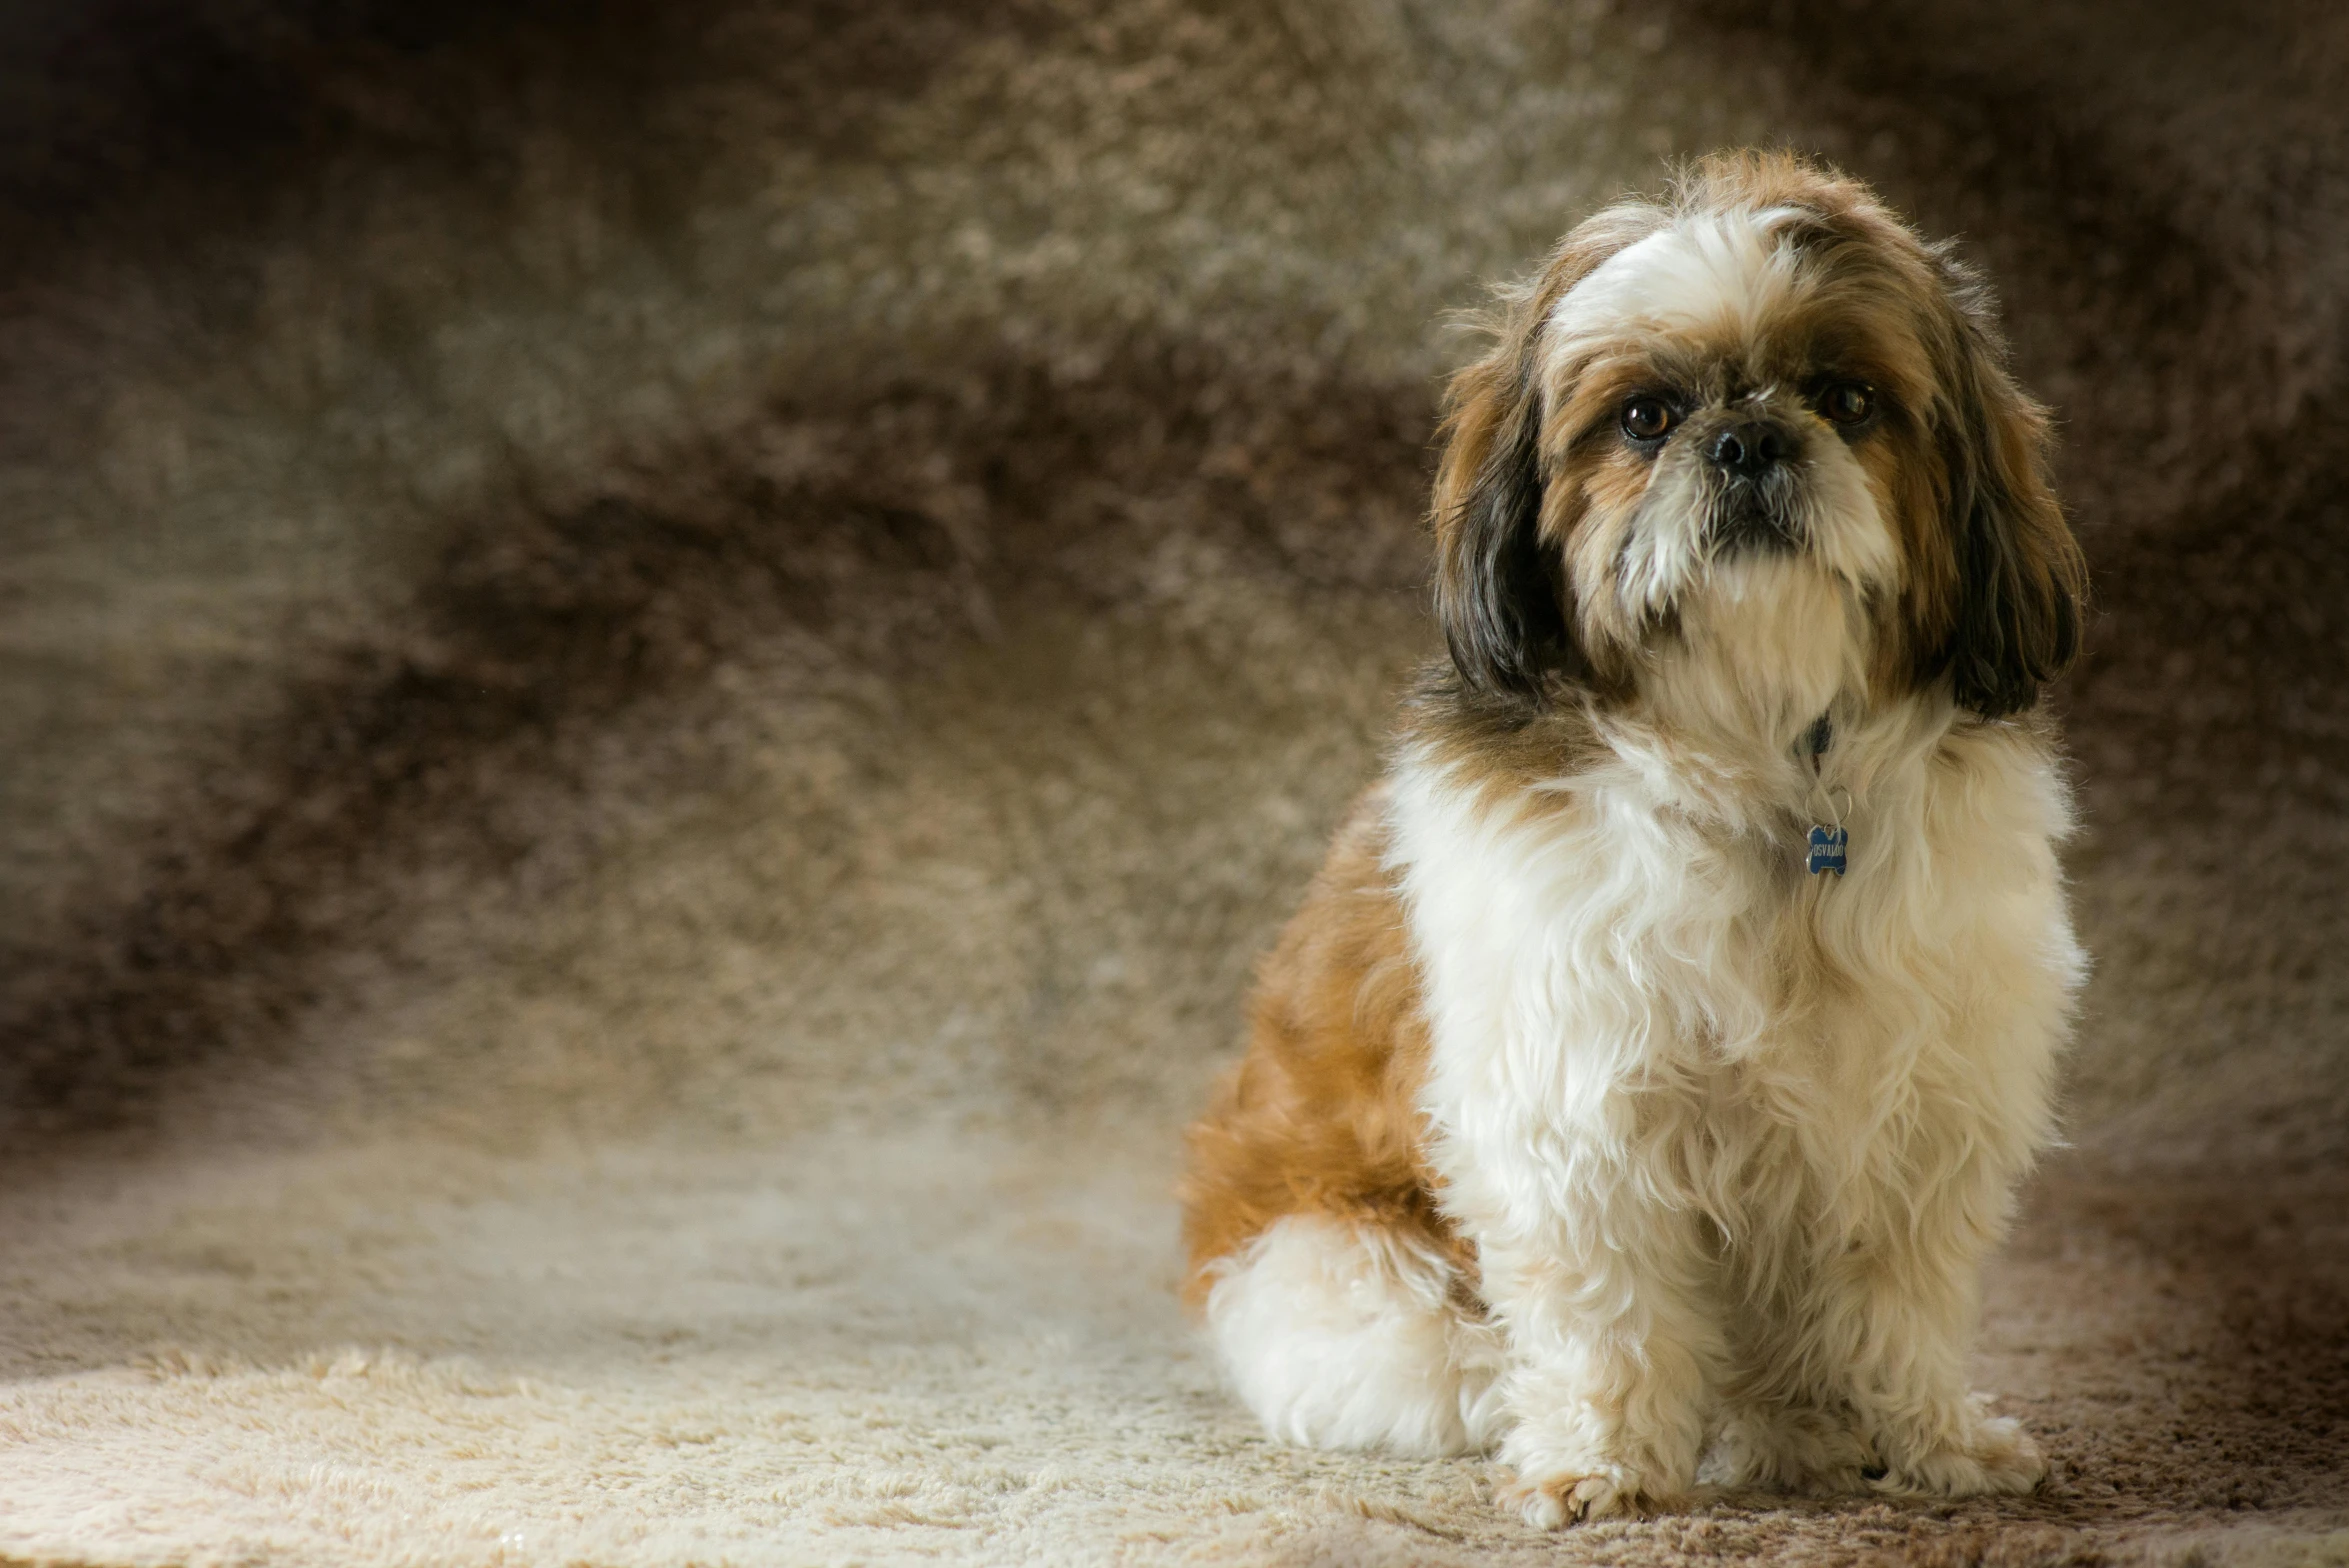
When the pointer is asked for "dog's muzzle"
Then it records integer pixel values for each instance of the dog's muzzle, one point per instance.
(1752, 473)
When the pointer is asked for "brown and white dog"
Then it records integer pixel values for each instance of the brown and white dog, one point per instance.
(1578, 1118)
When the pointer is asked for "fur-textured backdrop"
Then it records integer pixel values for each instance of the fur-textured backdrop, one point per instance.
(661, 664)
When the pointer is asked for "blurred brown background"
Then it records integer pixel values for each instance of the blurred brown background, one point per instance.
(727, 624)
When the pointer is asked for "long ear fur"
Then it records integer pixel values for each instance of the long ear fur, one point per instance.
(2021, 577)
(1499, 589)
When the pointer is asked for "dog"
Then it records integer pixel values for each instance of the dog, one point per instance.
(1653, 1061)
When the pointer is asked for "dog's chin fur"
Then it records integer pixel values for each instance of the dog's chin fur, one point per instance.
(1767, 643)
(1578, 1121)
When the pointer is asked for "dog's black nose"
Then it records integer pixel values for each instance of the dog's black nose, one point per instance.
(1748, 451)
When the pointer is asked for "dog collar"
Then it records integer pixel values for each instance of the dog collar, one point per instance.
(1829, 840)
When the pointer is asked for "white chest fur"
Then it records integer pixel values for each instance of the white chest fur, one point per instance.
(1617, 933)
(1730, 1139)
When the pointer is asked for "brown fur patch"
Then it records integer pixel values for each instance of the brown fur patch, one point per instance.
(1322, 1116)
(1504, 747)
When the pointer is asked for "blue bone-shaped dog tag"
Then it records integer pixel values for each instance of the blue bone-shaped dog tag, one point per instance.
(1827, 847)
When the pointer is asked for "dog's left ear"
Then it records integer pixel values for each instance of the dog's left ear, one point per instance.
(2021, 579)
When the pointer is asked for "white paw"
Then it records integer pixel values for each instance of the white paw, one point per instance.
(1556, 1501)
(1569, 1463)
(1997, 1455)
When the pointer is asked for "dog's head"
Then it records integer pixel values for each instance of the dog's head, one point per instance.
(1763, 421)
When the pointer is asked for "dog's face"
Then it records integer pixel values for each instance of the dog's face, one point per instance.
(1762, 420)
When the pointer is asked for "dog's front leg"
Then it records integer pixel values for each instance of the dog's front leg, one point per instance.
(1603, 1287)
(1901, 1315)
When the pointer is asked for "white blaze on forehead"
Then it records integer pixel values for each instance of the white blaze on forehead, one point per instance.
(1715, 270)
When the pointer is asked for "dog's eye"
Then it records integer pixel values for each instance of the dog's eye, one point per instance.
(1847, 402)
(1646, 418)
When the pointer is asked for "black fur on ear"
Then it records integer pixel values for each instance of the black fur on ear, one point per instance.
(2021, 580)
(1499, 589)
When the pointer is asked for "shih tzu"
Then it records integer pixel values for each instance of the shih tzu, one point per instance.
(1652, 1063)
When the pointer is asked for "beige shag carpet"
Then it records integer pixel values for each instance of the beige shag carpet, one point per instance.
(660, 665)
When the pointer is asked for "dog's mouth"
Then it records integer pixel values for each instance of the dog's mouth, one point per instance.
(1749, 519)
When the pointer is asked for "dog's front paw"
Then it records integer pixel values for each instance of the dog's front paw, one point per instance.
(1787, 1450)
(1571, 1459)
(1996, 1455)
(1556, 1501)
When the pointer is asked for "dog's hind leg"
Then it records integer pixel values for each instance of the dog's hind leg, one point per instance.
(1355, 1336)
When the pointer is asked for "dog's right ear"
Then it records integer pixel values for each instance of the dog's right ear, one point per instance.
(1501, 593)
(1499, 589)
